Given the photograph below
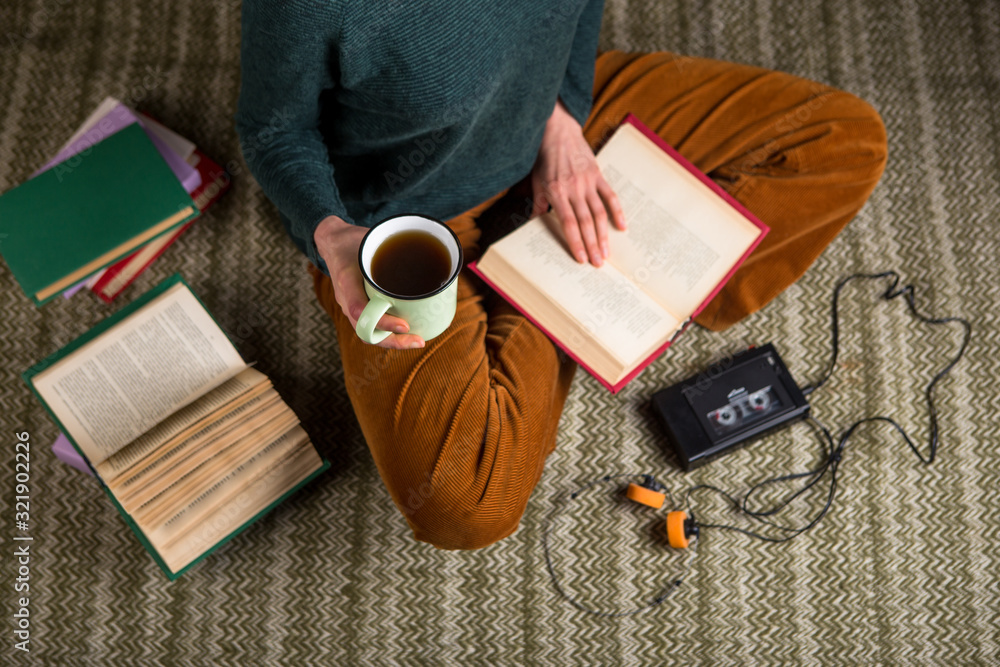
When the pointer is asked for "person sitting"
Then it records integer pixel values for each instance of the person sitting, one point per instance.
(475, 113)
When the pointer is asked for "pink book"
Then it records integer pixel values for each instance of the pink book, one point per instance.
(67, 453)
(685, 238)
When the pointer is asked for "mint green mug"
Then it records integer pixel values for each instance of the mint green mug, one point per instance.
(429, 312)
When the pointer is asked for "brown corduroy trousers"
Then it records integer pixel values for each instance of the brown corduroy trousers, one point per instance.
(460, 429)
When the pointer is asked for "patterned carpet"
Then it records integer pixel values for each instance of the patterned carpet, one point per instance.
(904, 570)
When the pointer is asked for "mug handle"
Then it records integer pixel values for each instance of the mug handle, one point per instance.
(370, 316)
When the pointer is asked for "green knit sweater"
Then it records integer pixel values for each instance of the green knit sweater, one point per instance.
(376, 108)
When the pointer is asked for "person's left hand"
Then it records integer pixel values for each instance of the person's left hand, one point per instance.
(566, 176)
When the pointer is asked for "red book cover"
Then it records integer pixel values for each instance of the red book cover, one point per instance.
(214, 182)
(715, 188)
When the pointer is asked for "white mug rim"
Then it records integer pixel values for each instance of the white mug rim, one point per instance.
(403, 297)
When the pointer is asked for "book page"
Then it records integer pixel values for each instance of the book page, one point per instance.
(178, 425)
(188, 518)
(229, 516)
(178, 144)
(228, 423)
(618, 313)
(189, 455)
(176, 491)
(122, 383)
(681, 238)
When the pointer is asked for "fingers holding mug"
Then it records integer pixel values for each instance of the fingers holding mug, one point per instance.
(374, 326)
(349, 291)
(409, 267)
(392, 331)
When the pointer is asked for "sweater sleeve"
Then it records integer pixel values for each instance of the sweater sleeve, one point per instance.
(286, 55)
(577, 88)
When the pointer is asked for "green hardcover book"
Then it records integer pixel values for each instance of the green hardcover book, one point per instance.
(88, 212)
(190, 443)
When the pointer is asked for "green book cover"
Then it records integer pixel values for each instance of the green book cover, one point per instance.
(88, 212)
(95, 332)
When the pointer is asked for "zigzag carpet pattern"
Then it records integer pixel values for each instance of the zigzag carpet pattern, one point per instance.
(904, 570)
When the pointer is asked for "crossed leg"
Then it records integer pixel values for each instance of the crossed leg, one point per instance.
(460, 429)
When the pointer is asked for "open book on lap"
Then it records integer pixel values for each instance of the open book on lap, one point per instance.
(685, 237)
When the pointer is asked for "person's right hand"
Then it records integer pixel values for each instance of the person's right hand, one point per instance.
(337, 242)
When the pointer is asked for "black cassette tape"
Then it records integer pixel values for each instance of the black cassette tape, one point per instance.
(730, 404)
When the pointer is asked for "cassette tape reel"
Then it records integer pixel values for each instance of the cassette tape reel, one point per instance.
(744, 409)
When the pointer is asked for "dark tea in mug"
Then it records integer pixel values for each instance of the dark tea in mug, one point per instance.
(411, 263)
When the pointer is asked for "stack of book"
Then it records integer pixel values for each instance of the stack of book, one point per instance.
(189, 442)
(116, 195)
